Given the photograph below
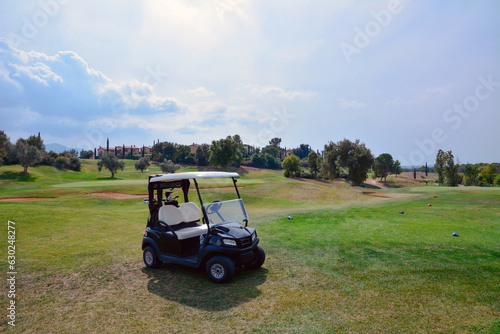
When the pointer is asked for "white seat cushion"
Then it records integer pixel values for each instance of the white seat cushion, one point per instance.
(190, 211)
(190, 232)
(170, 215)
(186, 213)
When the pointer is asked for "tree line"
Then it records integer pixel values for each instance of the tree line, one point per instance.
(31, 152)
(452, 174)
(347, 159)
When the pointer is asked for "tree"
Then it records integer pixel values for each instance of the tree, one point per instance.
(142, 164)
(107, 145)
(497, 180)
(314, 161)
(259, 160)
(123, 151)
(354, 156)
(164, 150)
(182, 152)
(67, 161)
(272, 162)
(86, 154)
(275, 142)
(450, 170)
(72, 152)
(271, 150)
(240, 150)
(359, 162)
(383, 166)
(471, 173)
(488, 174)
(27, 154)
(168, 166)
(291, 165)
(36, 141)
(4, 146)
(397, 168)
(302, 151)
(202, 155)
(439, 165)
(330, 165)
(111, 163)
(223, 152)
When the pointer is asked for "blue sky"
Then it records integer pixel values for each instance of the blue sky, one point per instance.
(405, 77)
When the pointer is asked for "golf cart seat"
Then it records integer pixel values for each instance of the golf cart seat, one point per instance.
(183, 220)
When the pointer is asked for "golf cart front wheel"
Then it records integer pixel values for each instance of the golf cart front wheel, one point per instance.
(220, 269)
(259, 258)
(150, 258)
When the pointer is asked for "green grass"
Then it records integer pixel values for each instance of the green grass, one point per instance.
(347, 262)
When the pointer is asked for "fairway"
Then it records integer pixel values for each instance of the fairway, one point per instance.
(352, 259)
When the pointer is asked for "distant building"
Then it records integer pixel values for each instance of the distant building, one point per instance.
(193, 147)
(137, 151)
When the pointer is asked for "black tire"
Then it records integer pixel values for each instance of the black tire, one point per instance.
(260, 257)
(150, 258)
(220, 269)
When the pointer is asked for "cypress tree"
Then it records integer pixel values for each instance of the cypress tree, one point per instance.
(123, 152)
(107, 145)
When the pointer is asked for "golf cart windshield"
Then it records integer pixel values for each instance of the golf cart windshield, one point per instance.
(232, 211)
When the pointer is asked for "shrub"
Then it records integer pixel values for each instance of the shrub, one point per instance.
(497, 180)
(292, 164)
(190, 160)
(306, 174)
(142, 164)
(167, 166)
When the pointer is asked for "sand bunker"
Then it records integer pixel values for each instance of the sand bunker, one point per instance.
(118, 195)
(387, 195)
(24, 199)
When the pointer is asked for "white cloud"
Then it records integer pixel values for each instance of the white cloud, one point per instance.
(62, 94)
(427, 94)
(275, 91)
(350, 104)
(201, 92)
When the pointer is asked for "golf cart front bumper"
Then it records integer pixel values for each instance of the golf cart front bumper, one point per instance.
(240, 256)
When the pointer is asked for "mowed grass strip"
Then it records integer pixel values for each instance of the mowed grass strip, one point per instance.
(338, 266)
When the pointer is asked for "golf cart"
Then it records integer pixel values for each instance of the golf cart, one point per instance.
(215, 237)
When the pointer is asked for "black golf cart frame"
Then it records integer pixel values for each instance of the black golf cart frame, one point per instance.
(190, 251)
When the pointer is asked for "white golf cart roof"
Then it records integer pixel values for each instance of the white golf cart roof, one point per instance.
(191, 175)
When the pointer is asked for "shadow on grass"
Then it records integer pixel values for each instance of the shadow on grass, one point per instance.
(370, 186)
(191, 287)
(18, 176)
(391, 184)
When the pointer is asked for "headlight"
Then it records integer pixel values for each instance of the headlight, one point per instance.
(254, 236)
(229, 242)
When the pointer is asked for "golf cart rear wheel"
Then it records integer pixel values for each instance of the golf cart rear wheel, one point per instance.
(220, 269)
(259, 258)
(150, 258)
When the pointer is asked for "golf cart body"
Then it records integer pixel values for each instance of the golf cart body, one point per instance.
(215, 233)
